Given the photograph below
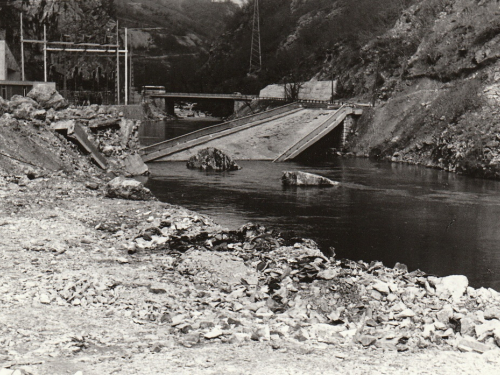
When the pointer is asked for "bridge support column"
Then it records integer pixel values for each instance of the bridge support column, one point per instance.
(238, 104)
(169, 106)
(348, 123)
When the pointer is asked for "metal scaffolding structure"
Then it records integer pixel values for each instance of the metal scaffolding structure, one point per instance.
(91, 48)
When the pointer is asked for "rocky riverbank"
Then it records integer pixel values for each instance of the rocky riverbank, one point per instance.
(103, 285)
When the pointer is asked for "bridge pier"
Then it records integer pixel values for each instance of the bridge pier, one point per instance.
(169, 106)
(238, 104)
(347, 125)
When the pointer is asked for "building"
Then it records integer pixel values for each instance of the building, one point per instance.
(10, 74)
(9, 68)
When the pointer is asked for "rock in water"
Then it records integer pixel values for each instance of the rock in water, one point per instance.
(305, 179)
(212, 159)
(48, 97)
(121, 187)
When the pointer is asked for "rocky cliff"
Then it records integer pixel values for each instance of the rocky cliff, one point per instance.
(437, 106)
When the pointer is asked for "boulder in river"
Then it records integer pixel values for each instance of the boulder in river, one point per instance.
(212, 159)
(298, 178)
(121, 187)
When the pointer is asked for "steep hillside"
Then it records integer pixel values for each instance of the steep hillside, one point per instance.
(437, 106)
(298, 38)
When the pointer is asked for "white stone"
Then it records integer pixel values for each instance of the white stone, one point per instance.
(214, 333)
(407, 313)
(326, 332)
(328, 274)
(428, 328)
(381, 287)
(486, 329)
(44, 299)
(454, 286)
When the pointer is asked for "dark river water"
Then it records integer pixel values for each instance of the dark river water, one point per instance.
(436, 221)
(156, 131)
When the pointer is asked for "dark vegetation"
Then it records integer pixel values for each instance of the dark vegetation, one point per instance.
(79, 21)
(175, 52)
(298, 41)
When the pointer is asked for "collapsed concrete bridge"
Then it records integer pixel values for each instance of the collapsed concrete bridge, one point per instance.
(279, 134)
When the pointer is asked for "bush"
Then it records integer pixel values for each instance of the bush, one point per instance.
(457, 101)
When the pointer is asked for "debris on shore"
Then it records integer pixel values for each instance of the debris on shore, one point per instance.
(89, 280)
(181, 275)
(114, 136)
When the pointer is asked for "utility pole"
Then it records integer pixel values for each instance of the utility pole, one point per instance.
(22, 48)
(117, 66)
(255, 49)
(374, 88)
(45, 53)
(126, 67)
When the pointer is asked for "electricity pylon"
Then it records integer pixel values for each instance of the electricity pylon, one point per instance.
(255, 51)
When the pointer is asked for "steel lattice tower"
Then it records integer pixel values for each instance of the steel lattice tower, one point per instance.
(255, 50)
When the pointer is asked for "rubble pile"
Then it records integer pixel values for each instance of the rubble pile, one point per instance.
(114, 136)
(256, 286)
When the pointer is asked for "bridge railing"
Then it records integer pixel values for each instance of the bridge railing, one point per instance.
(202, 95)
(337, 103)
(220, 127)
(251, 97)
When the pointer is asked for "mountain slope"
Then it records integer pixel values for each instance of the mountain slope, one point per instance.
(182, 25)
(170, 38)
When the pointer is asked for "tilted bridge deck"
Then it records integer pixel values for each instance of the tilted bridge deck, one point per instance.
(325, 128)
(205, 135)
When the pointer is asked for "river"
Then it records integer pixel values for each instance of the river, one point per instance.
(156, 131)
(432, 220)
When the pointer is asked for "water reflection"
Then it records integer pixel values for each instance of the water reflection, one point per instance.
(439, 222)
